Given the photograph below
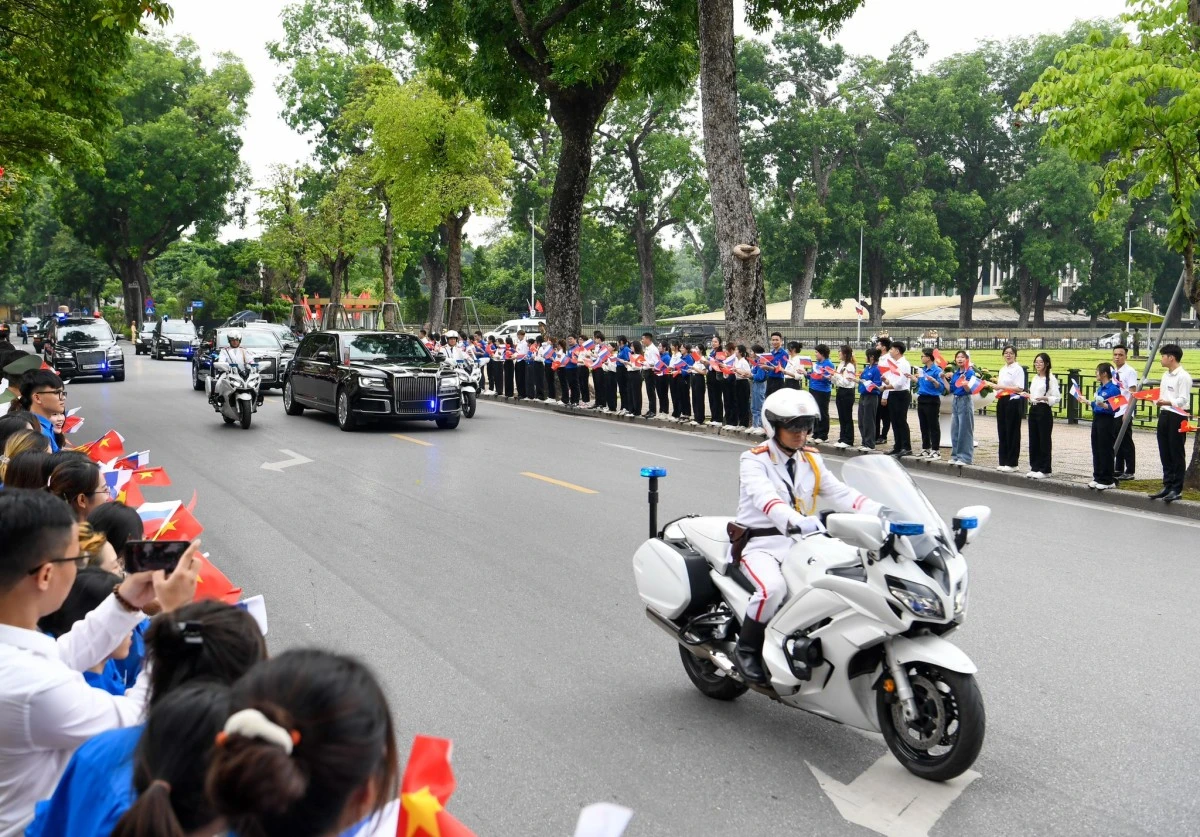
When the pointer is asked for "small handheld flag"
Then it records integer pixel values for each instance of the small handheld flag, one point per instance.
(1117, 402)
(1186, 427)
(1075, 393)
(938, 359)
(1148, 394)
(977, 385)
(424, 791)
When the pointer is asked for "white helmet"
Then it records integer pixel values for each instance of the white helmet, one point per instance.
(452, 333)
(233, 335)
(793, 409)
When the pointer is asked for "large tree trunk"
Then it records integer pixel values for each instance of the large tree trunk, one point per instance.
(1025, 290)
(802, 285)
(386, 267)
(435, 277)
(645, 256)
(576, 117)
(745, 297)
(875, 281)
(454, 226)
(136, 288)
(1040, 295)
(966, 290)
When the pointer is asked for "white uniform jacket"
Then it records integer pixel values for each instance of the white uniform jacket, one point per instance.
(769, 498)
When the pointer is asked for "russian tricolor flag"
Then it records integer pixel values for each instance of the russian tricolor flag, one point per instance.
(155, 515)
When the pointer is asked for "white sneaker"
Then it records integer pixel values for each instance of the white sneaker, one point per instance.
(934, 456)
(1104, 486)
(1004, 468)
(1037, 475)
(840, 444)
(730, 427)
(694, 423)
(1093, 484)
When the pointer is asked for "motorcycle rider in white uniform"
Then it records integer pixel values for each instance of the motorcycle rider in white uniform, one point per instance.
(452, 351)
(233, 355)
(780, 484)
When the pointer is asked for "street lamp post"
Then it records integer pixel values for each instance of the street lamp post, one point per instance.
(593, 313)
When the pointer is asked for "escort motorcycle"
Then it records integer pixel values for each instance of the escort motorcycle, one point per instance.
(237, 393)
(470, 383)
(862, 637)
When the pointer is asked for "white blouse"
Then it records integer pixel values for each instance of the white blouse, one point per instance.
(844, 377)
(1011, 376)
(1038, 394)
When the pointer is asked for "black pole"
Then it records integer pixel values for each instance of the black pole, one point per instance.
(653, 499)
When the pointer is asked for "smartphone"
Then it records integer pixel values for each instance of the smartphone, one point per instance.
(141, 556)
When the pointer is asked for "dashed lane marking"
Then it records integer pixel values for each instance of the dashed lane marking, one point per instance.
(559, 483)
(421, 442)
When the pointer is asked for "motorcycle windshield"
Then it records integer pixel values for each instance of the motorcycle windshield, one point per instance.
(883, 480)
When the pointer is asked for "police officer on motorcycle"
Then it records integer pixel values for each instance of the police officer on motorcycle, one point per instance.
(232, 355)
(780, 483)
(452, 351)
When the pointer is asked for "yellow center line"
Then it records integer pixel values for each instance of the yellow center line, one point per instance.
(411, 439)
(553, 481)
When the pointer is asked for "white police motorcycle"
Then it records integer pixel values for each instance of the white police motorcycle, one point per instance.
(470, 384)
(237, 392)
(862, 637)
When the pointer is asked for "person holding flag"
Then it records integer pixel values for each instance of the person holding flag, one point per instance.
(797, 366)
(1104, 427)
(1174, 402)
(845, 380)
(965, 384)
(820, 384)
(715, 382)
(633, 385)
(776, 364)
(743, 376)
(623, 357)
(520, 356)
(897, 376)
(1043, 398)
(930, 387)
(1126, 377)
(884, 345)
(870, 389)
(650, 374)
(1010, 410)
(758, 390)
(697, 370)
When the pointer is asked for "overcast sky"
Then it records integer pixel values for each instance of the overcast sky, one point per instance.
(243, 27)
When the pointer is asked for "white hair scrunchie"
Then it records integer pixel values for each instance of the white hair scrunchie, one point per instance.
(250, 723)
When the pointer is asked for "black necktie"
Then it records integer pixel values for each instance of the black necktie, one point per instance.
(791, 469)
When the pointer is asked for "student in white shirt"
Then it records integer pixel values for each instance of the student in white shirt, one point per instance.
(1010, 410)
(1043, 398)
(1174, 403)
(898, 380)
(649, 361)
(47, 709)
(1126, 377)
(845, 379)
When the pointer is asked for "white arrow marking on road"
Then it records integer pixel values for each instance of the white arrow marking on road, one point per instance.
(296, 459)
(889, 800)
(639, 450)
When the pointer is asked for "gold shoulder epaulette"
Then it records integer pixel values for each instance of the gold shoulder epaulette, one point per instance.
(759, 449)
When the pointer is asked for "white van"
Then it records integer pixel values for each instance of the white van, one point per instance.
(509, 328)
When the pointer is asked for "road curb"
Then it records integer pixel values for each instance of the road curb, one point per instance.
(1113, 497)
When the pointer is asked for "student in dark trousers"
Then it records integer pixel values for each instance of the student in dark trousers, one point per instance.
(870, 385)
(520, 351)
(1174, 405)
(729, 387)
(495, 367)
(599, 385)
(820, 384)
(650, 356)
(899, 381)
(883, 345)
(582, 373)
(622, 374)
(1043, 397)
(779, 361)
(845, 380)
(930, 388)
(564, 382)
(715, 381)
(1104, 429)
(1126, 377)
(610, 379)
(697, 370)
(571, 367)
(634, 386)
(742, 377)
(681, 403)
(662, 383)
(1010, 411)
(509, 367)
(535, 371)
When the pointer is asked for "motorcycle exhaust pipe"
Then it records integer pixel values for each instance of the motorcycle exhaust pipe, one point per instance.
(705, 651)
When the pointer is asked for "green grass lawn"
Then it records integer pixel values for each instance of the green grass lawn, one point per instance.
(1061, 360)
(1155, 486)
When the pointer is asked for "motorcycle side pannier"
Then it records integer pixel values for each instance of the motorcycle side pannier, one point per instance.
(672, 581)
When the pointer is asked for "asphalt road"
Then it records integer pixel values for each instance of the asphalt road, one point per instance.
(500, 611)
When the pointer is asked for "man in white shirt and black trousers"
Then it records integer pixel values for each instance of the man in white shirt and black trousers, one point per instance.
(47, 709)
(898, 378)
(1126, 377)
(650, 360)
(1174, 403)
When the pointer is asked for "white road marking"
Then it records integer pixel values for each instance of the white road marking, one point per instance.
(639, 450)
(296, 459)
(889, 800)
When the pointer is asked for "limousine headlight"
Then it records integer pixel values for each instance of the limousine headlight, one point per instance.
(448, 383)
(371, 383)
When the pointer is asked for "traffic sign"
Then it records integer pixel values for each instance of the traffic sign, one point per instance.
(197, 303)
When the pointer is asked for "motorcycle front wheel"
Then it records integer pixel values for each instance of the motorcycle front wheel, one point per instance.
(947, 735)
(708, 679)
(245, 411)
(468, 404)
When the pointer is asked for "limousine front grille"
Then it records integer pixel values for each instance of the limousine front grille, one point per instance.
(416, 395)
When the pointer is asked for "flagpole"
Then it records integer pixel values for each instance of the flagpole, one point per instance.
(1129, 271)
(858, 301)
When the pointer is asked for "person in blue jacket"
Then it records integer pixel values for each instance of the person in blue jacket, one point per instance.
(1104, 428)
(963, 383)
(758, 390)
(870, 387)
(624, 353)
(820, 384)
(779, 361)
(207, 640)
(930, 387)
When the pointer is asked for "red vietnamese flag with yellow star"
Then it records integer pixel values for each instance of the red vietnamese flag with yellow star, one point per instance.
(424, 791)
(180, 526)
(108, 447)
(211, 583)
(156, 476)
(130, 495)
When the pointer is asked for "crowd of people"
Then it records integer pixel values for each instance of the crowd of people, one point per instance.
(723, 383)
(143, 703)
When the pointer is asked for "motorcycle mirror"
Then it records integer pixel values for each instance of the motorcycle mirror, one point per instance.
(862, 530)
(967, 522)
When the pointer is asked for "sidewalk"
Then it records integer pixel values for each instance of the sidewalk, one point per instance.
(1072, 457)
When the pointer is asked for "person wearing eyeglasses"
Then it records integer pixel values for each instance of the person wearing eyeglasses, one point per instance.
(47, 709)
(43, 394)
(80, 484)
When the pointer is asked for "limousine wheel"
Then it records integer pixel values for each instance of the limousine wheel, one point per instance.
(345, 418)
(289, 403)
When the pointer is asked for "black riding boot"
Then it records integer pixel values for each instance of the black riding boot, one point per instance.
(747, 656)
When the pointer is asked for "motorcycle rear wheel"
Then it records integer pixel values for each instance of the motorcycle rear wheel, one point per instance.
(245, 411)
(952, 717)
(705, 677)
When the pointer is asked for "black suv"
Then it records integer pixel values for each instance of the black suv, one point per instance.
(82, 347)
(173, 338)
(359, 375)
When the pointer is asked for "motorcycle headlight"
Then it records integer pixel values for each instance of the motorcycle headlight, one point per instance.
(371, 383)
(449, 383)
(918, 598)
(960, 598)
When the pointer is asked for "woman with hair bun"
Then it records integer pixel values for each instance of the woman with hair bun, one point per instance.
(309, 750)
(172, 757)
(207, 640)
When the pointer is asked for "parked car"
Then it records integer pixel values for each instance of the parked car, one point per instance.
(173, 338)
(509, 328)
(84, 347)
(1109, 341)
(374, 375)
(144, 338)
(261, 345)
